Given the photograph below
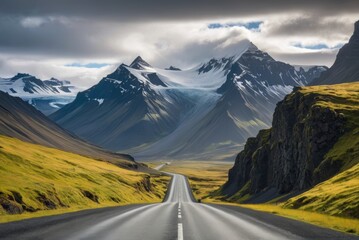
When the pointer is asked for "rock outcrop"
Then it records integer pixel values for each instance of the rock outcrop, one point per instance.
(287, 158)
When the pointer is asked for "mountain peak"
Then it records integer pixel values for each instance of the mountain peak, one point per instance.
(139, 63)
(252, 47)
(20, 75)
(356, 32)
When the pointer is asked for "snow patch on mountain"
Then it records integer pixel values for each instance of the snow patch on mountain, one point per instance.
(203, 111)
(47, 96)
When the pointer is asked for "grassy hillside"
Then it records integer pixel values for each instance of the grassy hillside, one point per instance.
(338, 196)
(37, 180)
(20, 120)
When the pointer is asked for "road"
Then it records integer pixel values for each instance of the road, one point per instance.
(178, 217)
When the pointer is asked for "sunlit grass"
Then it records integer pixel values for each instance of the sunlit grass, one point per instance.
(323, 220)
(51, 181)
(338, 196)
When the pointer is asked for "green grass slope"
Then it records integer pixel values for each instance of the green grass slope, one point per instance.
(37, 180)
(338, 196)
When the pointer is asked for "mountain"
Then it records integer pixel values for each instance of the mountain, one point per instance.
(346, 66)
(47, 96)
(313, 138)
(20, 120)
(203, 112)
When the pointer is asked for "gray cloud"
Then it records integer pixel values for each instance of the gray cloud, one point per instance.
(42, 36)
(138, 10)
(66, 38)
(310, 25)
(325, 57)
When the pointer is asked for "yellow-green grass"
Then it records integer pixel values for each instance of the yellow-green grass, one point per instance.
(337, 223)
(324, 203)
(338, 196)
(205, 177)
(49, 181)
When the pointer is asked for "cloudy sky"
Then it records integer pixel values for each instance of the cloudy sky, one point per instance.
(84, 40)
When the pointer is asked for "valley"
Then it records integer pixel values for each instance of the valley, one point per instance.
(236, 120)
(216, 105)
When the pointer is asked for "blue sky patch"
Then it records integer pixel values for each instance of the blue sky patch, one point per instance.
(248, 25)
(87, 65)
(317, 46)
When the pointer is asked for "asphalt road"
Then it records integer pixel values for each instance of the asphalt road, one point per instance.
(178, 217)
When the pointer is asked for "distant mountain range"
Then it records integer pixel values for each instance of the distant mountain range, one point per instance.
(205, 112)
(47, 96)
(20, 120)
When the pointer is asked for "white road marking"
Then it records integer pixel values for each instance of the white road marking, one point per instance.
(180, 232)
(180, 227)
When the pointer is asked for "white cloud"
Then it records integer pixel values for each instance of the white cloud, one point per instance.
(63, 41)
(32, 22)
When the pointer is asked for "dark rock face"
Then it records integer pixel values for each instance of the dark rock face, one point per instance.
(172, 68)
(93, 197)
(155, 80)
(287, 157)
(216, 64)
(139, 63)
(346, 66)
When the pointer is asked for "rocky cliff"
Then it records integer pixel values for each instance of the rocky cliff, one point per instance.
(292, 156)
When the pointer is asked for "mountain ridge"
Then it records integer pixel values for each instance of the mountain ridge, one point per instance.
(176, 107)
(45, 95)
(20, 120)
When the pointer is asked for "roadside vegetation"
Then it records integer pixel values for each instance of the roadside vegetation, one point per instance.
(39, 181)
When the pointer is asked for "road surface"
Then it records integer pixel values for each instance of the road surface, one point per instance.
(178, 217)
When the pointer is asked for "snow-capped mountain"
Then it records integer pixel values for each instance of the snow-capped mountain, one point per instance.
(207, 111)
(47, 96)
